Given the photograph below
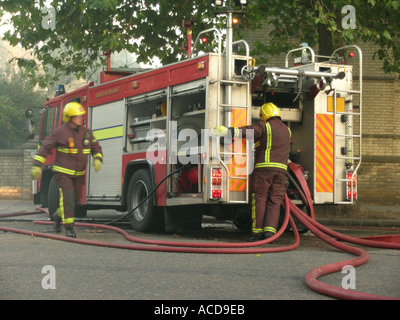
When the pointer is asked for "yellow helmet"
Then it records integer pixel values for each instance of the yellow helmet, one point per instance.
(72, 109)
(269, 110)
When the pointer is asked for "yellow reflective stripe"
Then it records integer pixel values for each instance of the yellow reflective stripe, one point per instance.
(67, 150)
(257, 144)
(61, 211)
(270, 229)
(271, 165)
(253, 215)
(39, 158)
(267, 163)
(73, 151)
(253, 210)
(269, 142)
(68, 171)
(109, 133)
(68, 221)
(98, 155)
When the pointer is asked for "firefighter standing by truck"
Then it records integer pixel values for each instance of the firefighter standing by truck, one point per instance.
(268, 180)
(73, 143)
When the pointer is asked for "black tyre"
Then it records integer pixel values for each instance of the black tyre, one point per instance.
(242, 219)
(147, 217)
(243, 223)
(53, 196)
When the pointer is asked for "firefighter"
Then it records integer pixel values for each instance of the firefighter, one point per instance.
(268, 181)
(73, 143)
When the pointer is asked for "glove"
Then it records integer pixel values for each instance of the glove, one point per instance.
(36, 172)
(220, 131)
(97, 164)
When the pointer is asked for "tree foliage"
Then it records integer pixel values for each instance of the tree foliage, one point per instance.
(84, 29)
(11, 124)
(319, 22)
(16, 95)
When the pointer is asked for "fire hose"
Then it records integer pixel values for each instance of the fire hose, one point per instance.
(172, 246)
(291, 210)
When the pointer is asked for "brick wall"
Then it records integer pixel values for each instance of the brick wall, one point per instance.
(15, 180)
(380, 171)
(10, 173)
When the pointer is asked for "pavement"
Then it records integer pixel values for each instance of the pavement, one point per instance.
(366, 215)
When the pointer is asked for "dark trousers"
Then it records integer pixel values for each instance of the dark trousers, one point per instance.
(70, 188)
(268, 188)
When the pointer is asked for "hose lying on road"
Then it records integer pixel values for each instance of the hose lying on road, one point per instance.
(243, 248)
(362, 257)
(172, 246)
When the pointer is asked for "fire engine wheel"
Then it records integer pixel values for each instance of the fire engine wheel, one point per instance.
(53, 197)
(243, 223)
(147, 217)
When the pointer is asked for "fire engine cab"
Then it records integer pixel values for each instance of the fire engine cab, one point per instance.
(155, 129)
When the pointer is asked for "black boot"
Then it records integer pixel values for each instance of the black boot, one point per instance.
(69, 232)
(267, 235)
(255, 237)
(57, 222)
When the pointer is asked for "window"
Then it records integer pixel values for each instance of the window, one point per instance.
(56, 120)
(47, 122)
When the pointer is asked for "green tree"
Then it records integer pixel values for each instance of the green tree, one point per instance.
(85, 29)
(325, 24)
(16, 95)
(11, 124)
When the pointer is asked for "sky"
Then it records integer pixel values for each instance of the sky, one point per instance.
(4, 28)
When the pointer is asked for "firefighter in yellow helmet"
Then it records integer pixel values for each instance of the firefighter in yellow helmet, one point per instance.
(73, 143)
(268, 180)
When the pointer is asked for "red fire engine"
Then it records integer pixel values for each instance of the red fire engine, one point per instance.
(155, 130)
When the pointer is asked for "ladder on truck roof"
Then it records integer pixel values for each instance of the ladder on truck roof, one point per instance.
(353, 157)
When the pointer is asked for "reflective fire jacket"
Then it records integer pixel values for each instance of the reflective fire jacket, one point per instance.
(272, 143)
(73, 147)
